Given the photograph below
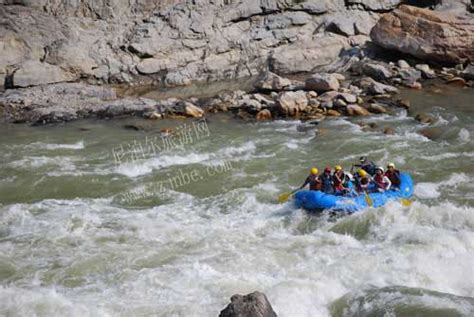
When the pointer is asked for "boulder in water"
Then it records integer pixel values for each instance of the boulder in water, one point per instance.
(254, 304)
(264, 115)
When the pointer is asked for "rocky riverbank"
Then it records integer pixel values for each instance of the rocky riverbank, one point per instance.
(53, 79)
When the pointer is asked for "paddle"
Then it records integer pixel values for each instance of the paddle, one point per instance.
(283, 198)
(405, 202)
(368, 199)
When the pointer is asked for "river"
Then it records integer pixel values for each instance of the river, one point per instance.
(98, 220)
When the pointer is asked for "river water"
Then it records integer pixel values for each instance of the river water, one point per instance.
(98, 220)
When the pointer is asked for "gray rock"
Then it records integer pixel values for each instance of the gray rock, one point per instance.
(403, 64)
(322, 82)
(376, 71)
(376, 5)
(426, 71)
(307, 55)
(372, 87)
(269, 81)
(292, 103)
(34, 73)
(66, 102)
(254, 304)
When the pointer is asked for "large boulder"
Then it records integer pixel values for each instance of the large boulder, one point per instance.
(255, 304)
(270, 81)
(306, 55)
(426, 34)
(322, 82)
(33, 73)
(292, 103)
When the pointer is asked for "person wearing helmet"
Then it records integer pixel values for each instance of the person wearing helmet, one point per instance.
(381, 181)
(327, 181)
(393, 175)
(367, 165)
(340, 180)
(313, 180)
(362, 180)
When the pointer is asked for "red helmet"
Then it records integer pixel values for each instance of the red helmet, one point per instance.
(327, 169)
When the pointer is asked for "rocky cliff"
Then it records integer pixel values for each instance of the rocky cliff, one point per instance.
(177, 42)
(172, 42)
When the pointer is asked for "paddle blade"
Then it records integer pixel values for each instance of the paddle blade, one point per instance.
(368, 200)
(283, 197)
(405, 202)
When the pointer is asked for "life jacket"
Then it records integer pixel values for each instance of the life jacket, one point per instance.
(361, 183)
(314, 182)
(327, 182)
(394, 177)
(339, 179)
(380, 182)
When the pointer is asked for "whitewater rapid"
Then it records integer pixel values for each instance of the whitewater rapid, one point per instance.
(73, 243)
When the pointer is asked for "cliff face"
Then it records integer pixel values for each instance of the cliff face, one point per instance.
(176, 42)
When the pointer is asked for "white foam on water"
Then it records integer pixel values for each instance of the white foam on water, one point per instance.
(464, 136)
(190, 255)
(243, 152)
(53, 146)
(427, 190)
(62, 163)
(445, 156)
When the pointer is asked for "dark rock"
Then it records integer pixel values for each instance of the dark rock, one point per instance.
(432, 133)
(425, 118)
(264, 115)
(468, 72)
(389, 130)
(255, 304)
(456, 81)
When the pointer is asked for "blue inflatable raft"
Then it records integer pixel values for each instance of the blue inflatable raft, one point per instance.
(316, 200)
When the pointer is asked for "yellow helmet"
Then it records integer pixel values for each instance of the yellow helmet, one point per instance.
(362, 173)
(314, 171)
(338, 167)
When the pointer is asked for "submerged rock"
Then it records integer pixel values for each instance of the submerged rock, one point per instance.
(254, 304)
(264, 115)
